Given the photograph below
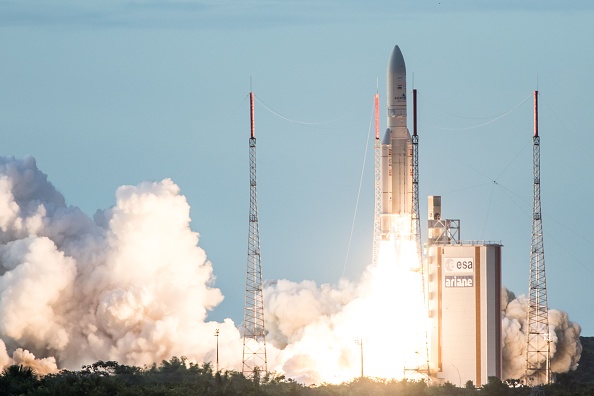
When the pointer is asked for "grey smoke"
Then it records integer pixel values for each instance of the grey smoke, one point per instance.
(566, 348)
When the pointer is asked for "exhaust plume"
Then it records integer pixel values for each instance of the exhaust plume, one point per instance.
(132, 285)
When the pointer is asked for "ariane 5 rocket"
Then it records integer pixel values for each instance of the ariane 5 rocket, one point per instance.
(396, 159)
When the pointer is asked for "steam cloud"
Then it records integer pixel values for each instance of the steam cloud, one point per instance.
(566, 348)
(132, 285)
(293, 332)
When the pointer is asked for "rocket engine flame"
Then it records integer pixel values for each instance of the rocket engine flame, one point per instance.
(385, 311)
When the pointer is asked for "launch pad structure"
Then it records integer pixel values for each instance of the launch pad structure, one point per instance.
(464, 303)
(460, 280)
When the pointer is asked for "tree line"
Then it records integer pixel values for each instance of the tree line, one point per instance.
(180, 377)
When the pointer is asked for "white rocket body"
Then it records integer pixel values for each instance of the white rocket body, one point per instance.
(396, 161)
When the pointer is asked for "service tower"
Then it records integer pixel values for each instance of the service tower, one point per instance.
(464, 303)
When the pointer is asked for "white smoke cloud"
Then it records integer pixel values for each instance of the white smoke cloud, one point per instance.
(309, 303)
(566, 348)
(132, 285)
(319, 330)
(129, 285)
(305, 325)
(40, 366)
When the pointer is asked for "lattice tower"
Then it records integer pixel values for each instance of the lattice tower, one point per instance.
(377, 158)
(415, 218)
(538, 346)
(415, 225)
(254, 333)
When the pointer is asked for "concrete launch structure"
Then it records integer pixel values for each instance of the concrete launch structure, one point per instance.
(464, 303)
(396, 161)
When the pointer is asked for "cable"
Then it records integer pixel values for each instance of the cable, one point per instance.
(467, 188)
(483, 124)
(488, 209)
(241, 104)
(289, 119)
(528, 142)
(465, 117)
(359, 192)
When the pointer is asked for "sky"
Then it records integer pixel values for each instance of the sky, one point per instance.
(111, 93)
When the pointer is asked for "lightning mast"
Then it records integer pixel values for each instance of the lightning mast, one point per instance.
(538, 368)
(377, 151)
(415, 218)
(254, 334)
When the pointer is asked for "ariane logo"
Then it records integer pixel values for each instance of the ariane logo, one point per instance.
(459, 265)
(459, 281)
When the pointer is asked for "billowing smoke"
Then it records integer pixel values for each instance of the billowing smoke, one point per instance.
(306, 325)
(132, 285)
(566, 348)
(319, 330)
(307, 332)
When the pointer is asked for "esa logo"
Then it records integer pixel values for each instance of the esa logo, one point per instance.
(459, 265)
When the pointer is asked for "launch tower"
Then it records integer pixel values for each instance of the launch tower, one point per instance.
(377, 161)
(415, 218)
(538, 370)
(254, 334)
(415, 221)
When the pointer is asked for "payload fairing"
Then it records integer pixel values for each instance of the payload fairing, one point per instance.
(396, 161)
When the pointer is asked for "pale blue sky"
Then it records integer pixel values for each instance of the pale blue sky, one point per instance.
(107, 93)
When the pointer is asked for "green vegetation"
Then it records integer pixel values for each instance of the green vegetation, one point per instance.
(180, 377)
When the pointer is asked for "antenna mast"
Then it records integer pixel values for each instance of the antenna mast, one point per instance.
(538, 368)
(254, 334)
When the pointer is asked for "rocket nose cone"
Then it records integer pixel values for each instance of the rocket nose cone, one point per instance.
(396, 63)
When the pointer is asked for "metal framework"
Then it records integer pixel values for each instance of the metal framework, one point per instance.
(415, 219)
(377, 152)
(449, 231)
(538, 347)
(254, 334)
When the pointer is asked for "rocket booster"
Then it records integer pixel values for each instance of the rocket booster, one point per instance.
(396, 160)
